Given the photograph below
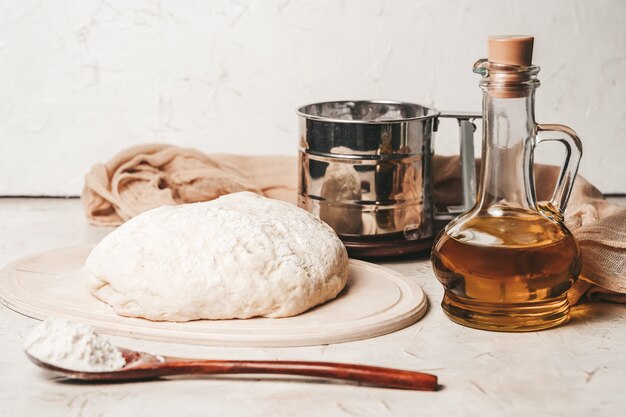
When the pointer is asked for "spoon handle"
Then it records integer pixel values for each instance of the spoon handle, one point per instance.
(369, 375)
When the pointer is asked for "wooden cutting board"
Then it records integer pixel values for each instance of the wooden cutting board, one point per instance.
(376, 301)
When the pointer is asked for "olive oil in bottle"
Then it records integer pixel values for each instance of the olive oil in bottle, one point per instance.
(507, 264)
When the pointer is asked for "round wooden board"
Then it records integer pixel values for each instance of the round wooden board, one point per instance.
(376, 301)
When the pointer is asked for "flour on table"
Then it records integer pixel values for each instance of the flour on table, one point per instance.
(239, 256)
(72, 346)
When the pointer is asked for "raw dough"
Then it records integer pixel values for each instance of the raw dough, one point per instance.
(239, 256)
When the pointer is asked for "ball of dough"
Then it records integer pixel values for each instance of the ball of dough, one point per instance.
(239, 256)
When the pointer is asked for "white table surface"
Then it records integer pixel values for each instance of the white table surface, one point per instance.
(575, 370)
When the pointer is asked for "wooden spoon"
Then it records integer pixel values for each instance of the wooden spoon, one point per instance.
(141, 366)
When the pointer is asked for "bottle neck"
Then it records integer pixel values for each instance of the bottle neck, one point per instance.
(508, 138)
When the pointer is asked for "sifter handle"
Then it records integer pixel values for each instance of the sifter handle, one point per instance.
(468, 167)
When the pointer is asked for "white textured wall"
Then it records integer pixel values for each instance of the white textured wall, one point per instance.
(80, 80)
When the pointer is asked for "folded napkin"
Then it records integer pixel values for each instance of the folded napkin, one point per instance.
(151, 175)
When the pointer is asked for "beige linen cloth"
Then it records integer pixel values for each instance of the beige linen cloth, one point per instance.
(151, 175)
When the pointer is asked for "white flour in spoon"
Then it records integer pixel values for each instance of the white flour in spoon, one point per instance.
(72, 346)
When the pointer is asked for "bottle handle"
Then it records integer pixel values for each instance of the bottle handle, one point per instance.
(574, 149)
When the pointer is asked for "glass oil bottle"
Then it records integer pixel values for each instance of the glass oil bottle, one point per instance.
(508, 263)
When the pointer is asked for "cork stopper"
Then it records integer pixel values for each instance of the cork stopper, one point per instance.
(510, 49)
